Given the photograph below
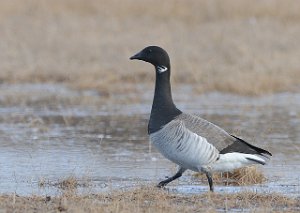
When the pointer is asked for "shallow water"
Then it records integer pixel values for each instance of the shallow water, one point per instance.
(106, 147)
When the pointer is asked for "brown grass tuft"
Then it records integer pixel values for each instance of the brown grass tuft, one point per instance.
(69, 184)
(244, 176)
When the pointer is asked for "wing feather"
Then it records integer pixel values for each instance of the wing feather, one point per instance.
(218, 137)
(215, 135)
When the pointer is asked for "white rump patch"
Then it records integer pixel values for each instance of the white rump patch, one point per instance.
(235, 160)
(162, 69)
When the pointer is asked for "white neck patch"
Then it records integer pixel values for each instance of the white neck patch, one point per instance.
(161, 69)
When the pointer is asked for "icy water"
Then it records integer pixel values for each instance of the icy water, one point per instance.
(106, 147)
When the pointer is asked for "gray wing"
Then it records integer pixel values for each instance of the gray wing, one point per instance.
(215, 135)
(218, 137)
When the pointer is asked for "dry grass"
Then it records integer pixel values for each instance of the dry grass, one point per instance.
(148, 199)
(244, 47)
(243, 176)
(67, 184)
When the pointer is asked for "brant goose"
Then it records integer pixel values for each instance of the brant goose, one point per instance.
(188, 140)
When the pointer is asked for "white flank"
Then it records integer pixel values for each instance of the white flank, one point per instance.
(184, 147)
(161, 69)
(234, 160)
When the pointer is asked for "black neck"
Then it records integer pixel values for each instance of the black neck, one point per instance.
(163, 108)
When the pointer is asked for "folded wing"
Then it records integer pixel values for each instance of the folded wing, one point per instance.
(218, 137)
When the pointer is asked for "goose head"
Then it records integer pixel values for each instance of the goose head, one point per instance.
(156, 56)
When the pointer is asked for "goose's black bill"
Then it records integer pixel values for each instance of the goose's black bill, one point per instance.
(137, 56)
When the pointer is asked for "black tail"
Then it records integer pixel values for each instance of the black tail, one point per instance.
(257, 161)
(244, 147)
(259, 150)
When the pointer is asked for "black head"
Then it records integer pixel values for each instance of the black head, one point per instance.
(154, 55)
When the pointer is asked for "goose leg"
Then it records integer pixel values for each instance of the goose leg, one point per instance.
(170, 179)
(210, 181)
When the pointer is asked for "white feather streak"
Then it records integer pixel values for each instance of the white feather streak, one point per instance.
(234, 160)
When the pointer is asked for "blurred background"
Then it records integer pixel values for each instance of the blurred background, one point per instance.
(243, 47)
(72, 104)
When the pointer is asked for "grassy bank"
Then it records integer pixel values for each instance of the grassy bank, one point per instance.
(146, 199)
(243, 47)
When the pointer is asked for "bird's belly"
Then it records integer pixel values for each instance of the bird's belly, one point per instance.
(189, 151)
